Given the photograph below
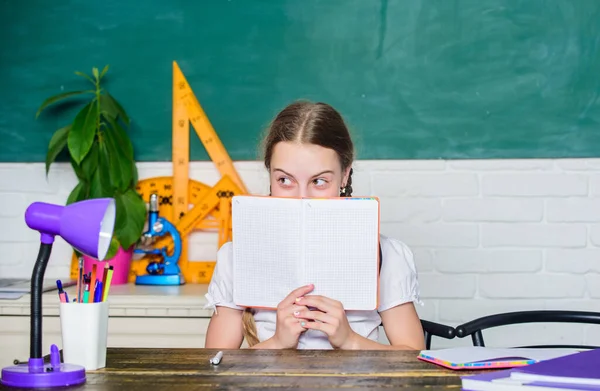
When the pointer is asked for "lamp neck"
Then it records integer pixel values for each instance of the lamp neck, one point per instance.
(37, 279)
(46, 238)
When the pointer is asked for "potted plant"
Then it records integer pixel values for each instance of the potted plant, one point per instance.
(101, 154)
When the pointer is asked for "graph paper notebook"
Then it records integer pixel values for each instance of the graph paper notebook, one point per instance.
(280, 244)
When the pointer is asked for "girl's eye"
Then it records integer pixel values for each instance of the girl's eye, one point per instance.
(320, 182)
(285, 181)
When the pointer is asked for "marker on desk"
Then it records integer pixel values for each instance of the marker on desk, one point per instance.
(62, 295)
(217, 358)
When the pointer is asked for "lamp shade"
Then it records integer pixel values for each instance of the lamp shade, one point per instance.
(86, 225)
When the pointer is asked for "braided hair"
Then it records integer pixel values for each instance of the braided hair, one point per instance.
(346, 191)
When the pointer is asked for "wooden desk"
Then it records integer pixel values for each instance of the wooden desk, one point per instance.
(135, 369)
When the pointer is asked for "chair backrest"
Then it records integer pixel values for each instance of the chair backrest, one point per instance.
(439, 330)
(474, 328)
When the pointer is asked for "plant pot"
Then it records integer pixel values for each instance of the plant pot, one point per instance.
(121, 264)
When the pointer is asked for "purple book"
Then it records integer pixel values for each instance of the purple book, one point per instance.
(579, 371)
(578, 368)
(502, 380)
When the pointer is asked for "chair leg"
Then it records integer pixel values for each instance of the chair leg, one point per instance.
(478, 338)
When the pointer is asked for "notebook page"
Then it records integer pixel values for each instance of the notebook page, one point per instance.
(266, 249)
(341, 250)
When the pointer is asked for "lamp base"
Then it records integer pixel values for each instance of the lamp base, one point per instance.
(36, 374)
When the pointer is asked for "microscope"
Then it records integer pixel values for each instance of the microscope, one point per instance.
(165, 272)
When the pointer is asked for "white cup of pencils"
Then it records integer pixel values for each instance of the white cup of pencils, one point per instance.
(84, 320)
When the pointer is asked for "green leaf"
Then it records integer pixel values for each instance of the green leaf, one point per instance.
(112, 171)
(95, 72)
(99, 188)
(121, 139)
(59, 97)
(77, 169)
(79, 193)
(112, 107)
(90, 163)
(134, 175)
(104, 71)
(101, 185)
(130, 219)
(120, 159)
(83, 131)
(57, 143)
(85, 76)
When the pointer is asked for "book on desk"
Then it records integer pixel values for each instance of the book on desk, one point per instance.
(578, 371)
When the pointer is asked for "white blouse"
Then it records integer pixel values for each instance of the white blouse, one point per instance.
(398, 285)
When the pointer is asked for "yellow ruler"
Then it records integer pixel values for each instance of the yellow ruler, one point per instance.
(180, 157)
(205, 131)
(181, 149)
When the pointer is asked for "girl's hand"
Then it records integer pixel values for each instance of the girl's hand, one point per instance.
(288, 328)
(328, 317)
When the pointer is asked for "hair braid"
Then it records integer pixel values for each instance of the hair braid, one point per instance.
(249, 327)
(346, 191)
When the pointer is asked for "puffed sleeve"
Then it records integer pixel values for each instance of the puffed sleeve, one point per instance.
(220, 289)
(398, 282)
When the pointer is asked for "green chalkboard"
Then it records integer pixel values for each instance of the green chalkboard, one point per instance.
(414, 78)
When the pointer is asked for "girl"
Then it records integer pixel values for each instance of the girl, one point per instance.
(308, 152)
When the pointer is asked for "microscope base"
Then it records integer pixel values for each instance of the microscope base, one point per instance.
(160, 279)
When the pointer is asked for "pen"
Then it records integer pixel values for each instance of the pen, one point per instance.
(216, 360)
(80, 281)
(86, 292)
(61, 293)
(107, 282)
(93, 283)
(98, 292)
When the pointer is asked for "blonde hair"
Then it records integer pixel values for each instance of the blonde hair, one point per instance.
(311, 123)
(249, 327)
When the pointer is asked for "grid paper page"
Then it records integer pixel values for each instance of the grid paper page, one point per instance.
(266, 249)
(341, 250)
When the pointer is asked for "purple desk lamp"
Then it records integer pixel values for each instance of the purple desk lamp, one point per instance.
(87, 226)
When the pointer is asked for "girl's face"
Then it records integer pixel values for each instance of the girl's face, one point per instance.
(305, 170)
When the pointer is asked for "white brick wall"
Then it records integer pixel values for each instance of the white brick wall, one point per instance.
(488, 235)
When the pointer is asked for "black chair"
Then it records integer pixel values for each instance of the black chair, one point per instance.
(439, 330)
(474, 328)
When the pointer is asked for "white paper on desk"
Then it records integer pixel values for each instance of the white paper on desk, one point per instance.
(280, 244)
(472, 354)
(11, 295)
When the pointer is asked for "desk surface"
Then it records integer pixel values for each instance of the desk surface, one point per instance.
(189, 369)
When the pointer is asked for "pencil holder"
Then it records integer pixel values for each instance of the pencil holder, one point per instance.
(84, 331)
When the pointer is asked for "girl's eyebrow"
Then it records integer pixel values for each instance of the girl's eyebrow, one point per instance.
(324, 172)
(280, 170)
(316, 175)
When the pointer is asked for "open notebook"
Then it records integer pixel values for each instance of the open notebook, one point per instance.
(280, 244)
(479, 357)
